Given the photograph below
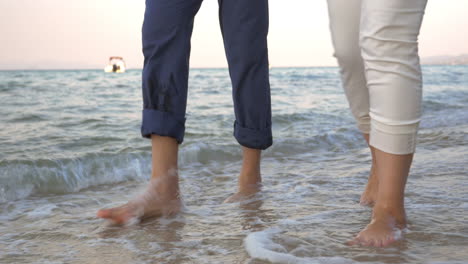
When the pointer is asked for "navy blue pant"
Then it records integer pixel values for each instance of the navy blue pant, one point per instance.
(167, 30)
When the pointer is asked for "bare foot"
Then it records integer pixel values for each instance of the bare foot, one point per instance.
(384, 229)
(244, 193)
(156, 200)
(369, 196)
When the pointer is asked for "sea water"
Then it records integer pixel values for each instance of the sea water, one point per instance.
(70, 144)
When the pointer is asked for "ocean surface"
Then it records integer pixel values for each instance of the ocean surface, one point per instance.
(70, 144)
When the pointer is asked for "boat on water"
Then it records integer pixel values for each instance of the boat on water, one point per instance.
(115, 64)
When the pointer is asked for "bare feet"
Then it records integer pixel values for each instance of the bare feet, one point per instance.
(385, 228)
(159, 199)
(369, 196)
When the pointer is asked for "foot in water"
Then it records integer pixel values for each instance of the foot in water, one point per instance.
(369, 196)
(250, 178)
(244, 193)
(161, 198)
(385, 228)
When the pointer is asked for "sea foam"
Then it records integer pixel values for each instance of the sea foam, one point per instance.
(260, 245)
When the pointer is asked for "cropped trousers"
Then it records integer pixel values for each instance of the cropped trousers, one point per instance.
(167, 30)
(376, 45)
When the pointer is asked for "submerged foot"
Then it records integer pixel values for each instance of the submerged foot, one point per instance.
(244, 194)
(384, 229)
(369, 196)
(154, 201)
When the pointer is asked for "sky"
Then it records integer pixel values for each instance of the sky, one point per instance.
(75, 34)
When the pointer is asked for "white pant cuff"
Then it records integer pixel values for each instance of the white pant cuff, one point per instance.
(394, 139)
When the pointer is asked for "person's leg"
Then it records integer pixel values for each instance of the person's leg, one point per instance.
(162, 194)
(389, 32)
(388, 215)
(167, 30)
(244, 24)
(345, 16)
(369, 196)
(249, 178)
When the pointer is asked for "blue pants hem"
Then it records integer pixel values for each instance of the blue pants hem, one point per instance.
(253, 138)
(161, 123)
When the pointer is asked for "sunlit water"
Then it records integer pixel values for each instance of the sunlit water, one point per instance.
(70, 144)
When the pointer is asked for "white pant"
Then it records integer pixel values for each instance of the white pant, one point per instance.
(377, 50)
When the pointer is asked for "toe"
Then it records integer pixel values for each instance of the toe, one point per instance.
(119, 220)
(368, 242)
(379, 243)
(117, 214)
(104, 213)
(356, 241)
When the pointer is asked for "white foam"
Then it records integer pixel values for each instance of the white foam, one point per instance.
(42, 211)
(288, 222)
(260, 245)
(132, 221)
(397, 234)
(178, 218)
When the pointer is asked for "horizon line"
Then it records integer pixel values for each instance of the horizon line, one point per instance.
(93, 69)
(196, 68)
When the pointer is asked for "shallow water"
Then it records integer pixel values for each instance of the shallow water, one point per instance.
(70, 144)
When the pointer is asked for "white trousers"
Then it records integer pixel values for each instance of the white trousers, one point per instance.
(376, 45)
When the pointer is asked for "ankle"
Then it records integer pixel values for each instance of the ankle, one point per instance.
(250, 175)
(249, 182)
(249, 179)
(165, 174)
(165, 183)
(249, 188)
(396, 211)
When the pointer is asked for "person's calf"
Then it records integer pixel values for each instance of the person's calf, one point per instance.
(369, 195)
(388, 217)
(250, 177)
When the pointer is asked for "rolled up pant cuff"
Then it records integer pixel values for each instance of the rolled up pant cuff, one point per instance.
(161, 123)
(365, 128)
(394, 139)
(253, 138)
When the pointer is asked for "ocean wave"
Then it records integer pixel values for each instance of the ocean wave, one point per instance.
(22, 176)
(439, 138)
(435, 106)
(29, 117)
(444, 75)
(10, 85)
(20, 179)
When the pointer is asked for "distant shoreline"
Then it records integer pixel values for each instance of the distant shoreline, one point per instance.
(461, 59)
